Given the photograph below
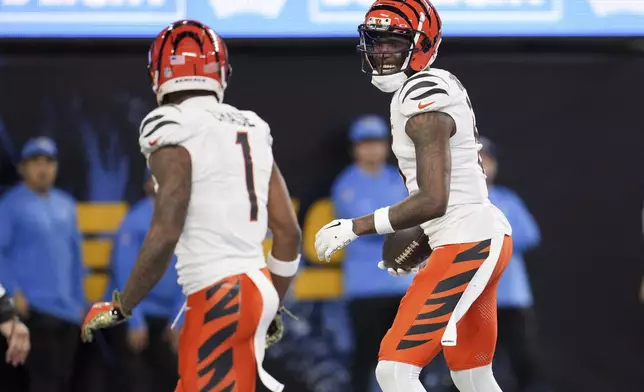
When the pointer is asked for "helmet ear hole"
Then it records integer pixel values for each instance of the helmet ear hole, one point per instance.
(426, 44)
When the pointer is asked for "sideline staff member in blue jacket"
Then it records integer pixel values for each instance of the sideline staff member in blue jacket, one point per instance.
(148, 331)
(514, 295)
(41, 265)
(366, 185)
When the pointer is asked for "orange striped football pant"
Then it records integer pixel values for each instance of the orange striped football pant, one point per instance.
(415, 336)
(216, 345)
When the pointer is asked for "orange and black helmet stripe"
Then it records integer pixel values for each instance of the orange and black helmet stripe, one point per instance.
(393, 10)
(168, 32)
(406, 10)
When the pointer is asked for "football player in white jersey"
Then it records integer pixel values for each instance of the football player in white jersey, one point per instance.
(218, 190)
(451, 304)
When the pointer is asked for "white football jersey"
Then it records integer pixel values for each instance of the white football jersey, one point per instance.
(232, 161)
(470, 216)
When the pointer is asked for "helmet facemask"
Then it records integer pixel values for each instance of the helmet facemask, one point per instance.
(388, 51)
(385, 52)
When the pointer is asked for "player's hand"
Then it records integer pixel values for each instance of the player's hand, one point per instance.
(103, 315)
(397, 271)
(276, 328)
(18, 343)
(172, 336)
(137, 338)
(334, 236)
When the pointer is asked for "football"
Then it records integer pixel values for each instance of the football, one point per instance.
(406, 248)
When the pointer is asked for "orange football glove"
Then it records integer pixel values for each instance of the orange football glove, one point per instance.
(103, 315)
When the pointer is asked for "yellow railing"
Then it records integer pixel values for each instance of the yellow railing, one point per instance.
(94, 219)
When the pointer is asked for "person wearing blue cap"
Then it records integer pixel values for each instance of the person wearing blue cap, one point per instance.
(41, 265)
(145, 342)
(373, 298)
(514, 295)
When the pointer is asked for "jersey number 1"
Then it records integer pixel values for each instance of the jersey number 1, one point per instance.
(242, 139)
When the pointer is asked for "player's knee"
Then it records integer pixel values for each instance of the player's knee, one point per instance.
(392, 376)
(480, 379)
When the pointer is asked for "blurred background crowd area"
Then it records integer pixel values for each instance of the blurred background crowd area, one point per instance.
(557, 87)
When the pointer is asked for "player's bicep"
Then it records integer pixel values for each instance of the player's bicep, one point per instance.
(162, 127)
(430, 133)
(172, 168)
(422, 93)
(281, 215)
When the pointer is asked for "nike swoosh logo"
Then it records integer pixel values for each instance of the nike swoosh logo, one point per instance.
(155, 141)
(336, 224)
(424, 105)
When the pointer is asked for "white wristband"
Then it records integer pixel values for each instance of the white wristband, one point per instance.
(381, 221)
(283, 268)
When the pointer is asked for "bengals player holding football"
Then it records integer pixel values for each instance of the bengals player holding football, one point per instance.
(451, 304)
(218, 189)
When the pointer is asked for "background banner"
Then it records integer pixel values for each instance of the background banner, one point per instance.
(314, 18)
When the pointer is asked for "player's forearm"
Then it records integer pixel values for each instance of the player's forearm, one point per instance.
(286, 243)
(284, 259)
(282, 285)
(172, 166)
(152, 262)
(286, 248)
(416, 209)
(158, 246)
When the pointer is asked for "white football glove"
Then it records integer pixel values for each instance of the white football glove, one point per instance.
(332, 237)
(397, 271)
